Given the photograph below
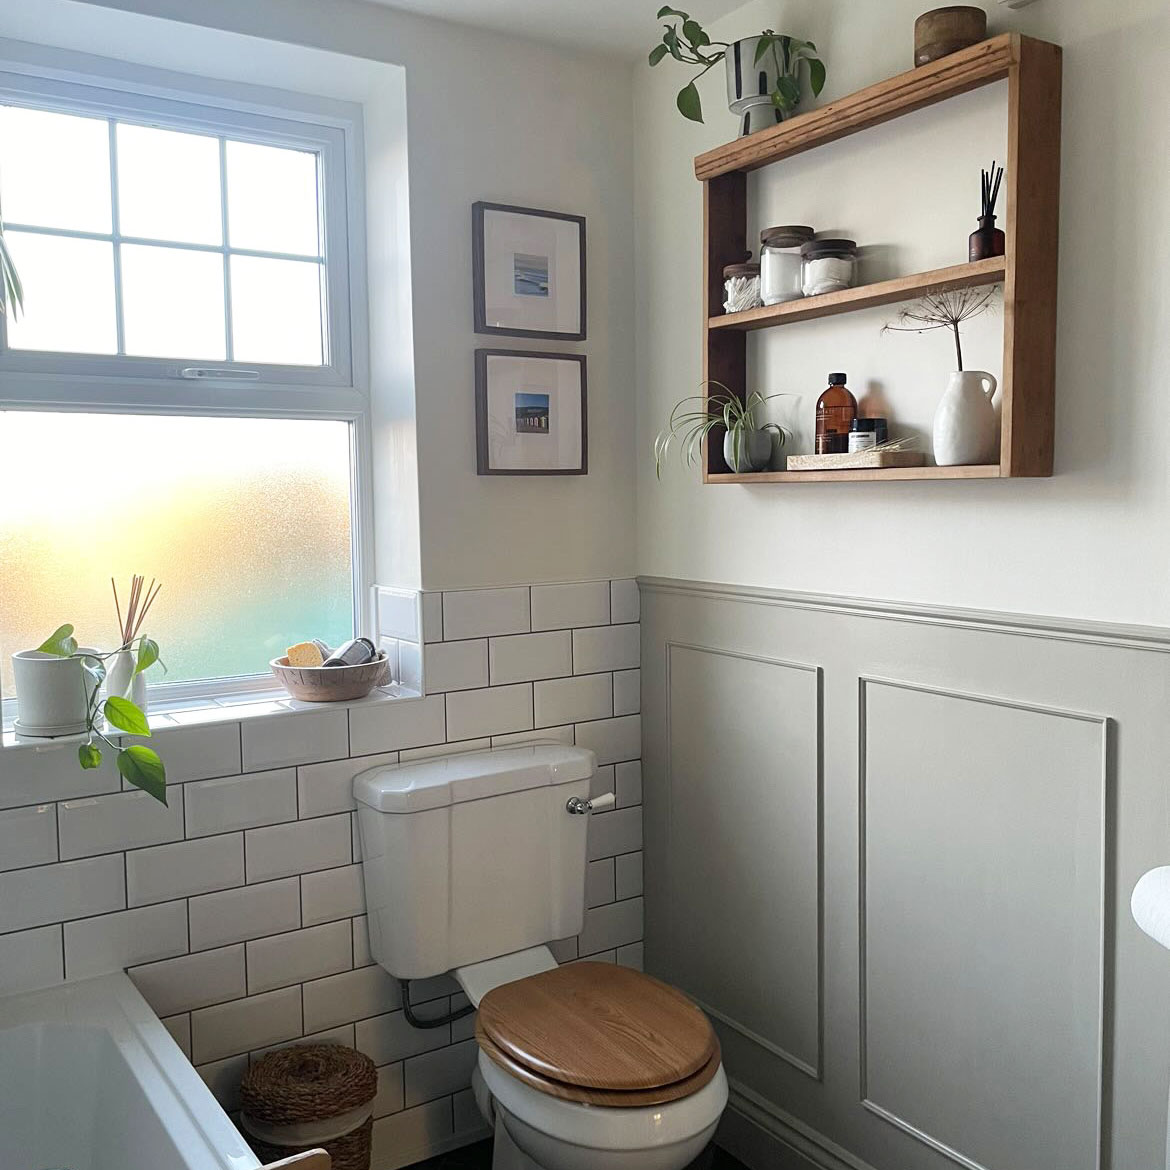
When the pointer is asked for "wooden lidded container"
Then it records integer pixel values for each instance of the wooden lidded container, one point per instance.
(943, 31)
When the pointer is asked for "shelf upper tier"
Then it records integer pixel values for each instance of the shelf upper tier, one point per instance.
(957, 73)
(885, 292)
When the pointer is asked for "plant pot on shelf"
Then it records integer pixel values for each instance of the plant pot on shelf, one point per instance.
(52, 694)
(123, 681)
(966, 429)
(750, 86)
(746, 450)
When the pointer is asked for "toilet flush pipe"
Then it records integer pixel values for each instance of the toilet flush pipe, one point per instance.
(438, 1021)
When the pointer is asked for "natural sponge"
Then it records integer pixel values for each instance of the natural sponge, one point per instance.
(305, 654)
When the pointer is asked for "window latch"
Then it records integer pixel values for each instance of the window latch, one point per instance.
(211, 374)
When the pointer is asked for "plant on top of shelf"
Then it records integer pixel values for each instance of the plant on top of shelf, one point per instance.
(747, 446)
(764, 72)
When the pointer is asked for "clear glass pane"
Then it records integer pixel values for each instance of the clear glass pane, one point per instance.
(276, 311)
(56, 169)
(272, 199)
(246, 522)
(68, 294)
(172, 303)
(168, 185)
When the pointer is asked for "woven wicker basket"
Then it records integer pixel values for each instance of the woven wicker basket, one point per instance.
(310, 1085)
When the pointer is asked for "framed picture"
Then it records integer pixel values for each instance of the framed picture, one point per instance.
(529, 272)
(530, 415)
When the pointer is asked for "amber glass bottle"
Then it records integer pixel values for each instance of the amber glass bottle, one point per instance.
(836, 410)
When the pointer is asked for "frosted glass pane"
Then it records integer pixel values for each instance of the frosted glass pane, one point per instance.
(68, 294)
(245, 521)
(172, 302)
(168, 185)
(272, 199)
(56, 170)
(276, 311)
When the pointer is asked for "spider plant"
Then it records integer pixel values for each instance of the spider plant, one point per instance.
(722, 408)
(11, 290)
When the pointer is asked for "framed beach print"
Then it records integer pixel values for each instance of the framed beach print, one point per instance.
(530, 413)
(529, 272)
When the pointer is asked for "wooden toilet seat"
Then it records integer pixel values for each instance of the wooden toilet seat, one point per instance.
(599, 1034)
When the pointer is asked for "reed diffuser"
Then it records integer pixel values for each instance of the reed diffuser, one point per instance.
(124, 677)
(987, 240)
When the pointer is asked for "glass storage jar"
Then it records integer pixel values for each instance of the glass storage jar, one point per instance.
(828, 266)
(741, 287)
(780, 263)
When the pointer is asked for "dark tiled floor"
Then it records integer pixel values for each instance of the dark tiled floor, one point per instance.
(479, 1157)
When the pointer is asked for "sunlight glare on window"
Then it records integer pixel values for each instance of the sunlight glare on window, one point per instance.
(245, 521)
(68, 294)
(56, 170)
(276, 311)
(168, 185)
(272, 199)
(172, 302)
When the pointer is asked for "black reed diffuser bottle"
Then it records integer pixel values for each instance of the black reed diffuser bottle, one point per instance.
(988, 240)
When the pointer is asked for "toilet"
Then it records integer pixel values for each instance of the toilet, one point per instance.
(472, 865)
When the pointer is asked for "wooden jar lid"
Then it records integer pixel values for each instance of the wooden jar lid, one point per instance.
(599, 1026)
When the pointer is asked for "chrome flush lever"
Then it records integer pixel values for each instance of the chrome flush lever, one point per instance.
(578, 807)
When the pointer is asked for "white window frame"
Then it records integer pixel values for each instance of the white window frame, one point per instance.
(33, 380)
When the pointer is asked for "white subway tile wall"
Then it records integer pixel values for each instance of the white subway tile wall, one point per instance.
(239, 910)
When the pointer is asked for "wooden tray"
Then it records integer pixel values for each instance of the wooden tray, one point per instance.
(855, 460)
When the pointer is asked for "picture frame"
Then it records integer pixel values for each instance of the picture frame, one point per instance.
(528, 272)
(531, 413)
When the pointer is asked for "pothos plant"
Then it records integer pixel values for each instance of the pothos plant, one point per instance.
(722, 408)
(140, 765)
(688, 42)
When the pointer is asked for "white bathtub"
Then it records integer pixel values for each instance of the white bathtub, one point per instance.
(90, 1080)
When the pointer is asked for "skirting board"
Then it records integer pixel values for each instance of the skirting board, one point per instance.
(764, 1137)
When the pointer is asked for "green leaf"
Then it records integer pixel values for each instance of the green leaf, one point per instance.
(60, 642)
(816, 75)
(786, 95)
(147, 655)
(89, 756)
(125, 716)
(657, 53)
(689, 103)
(693, 31)
(670, 40)
(673, 12)
(142, 767)
(95, 668)
(763, 45)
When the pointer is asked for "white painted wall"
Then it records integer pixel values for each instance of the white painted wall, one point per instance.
(489, 117)
(1086, 543)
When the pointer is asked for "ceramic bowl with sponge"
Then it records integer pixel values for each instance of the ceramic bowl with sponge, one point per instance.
(310, 671)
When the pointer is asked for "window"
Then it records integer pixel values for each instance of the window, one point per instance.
(182, 396)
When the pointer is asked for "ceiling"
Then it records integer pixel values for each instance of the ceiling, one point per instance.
(624, 27)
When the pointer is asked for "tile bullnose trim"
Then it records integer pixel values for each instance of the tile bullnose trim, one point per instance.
(1121, 635)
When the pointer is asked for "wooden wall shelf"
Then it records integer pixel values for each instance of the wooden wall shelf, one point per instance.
(1028, 270)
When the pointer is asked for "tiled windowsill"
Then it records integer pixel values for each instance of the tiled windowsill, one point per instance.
(207, 711)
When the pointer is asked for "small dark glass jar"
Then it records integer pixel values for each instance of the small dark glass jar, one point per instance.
(866, 433)
(986, 241)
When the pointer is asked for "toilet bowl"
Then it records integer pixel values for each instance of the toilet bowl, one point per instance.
(595, 1067)
(471, 863)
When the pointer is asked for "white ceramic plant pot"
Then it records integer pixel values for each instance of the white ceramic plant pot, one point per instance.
(753, 452)
(123, 682)
(750, 85)
(966, 429)
(52, 694)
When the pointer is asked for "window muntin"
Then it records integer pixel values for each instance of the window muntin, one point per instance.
(247, 522)
(167, 210)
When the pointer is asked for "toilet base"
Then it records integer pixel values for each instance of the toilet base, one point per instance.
(506, 1154)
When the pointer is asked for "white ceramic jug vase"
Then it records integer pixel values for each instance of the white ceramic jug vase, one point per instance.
(966, 429)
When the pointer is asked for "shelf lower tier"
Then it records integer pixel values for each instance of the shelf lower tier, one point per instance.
(883, 292)
(859, 474)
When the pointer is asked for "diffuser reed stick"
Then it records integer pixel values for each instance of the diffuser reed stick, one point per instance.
(130, 626)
